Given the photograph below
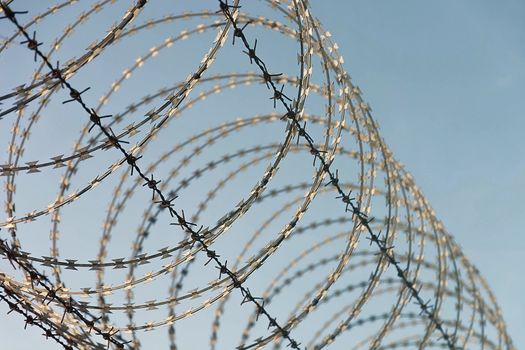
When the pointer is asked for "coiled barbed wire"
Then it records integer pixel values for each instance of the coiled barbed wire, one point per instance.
(345, 291)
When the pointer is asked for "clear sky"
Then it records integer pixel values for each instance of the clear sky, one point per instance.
(445, 81)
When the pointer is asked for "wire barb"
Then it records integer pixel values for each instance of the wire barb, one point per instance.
(76, 95)
(32, 44)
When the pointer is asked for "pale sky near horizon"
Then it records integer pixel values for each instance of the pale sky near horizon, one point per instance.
(445, 81)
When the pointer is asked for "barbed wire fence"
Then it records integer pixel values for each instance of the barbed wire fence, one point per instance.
(445, 302)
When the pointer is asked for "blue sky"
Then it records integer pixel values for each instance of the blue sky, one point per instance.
(446, 81)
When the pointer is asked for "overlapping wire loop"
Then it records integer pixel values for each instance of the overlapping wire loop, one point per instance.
(297, 212)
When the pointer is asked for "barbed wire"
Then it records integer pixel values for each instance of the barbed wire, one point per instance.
(32, 298)
(351, 205)
(151, 183)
